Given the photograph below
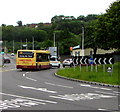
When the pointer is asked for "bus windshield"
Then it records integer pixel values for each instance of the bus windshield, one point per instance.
(24, 54)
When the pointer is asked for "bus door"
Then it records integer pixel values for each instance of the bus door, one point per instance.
(42, 60)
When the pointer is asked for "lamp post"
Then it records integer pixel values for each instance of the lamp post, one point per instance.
(13, 46)
(82, 41)
(33, 43)
(54, 39)
(26, 43)
(21, 44)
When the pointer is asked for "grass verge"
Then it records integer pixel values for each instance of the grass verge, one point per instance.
(95, 73)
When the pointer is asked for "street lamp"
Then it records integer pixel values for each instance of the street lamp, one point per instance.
(54, 39)
(82, 41)
(33, 43)
(13, 46)
(26, 43)
(21, 44)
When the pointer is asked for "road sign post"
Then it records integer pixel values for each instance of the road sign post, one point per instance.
(2, 59)
(91, 61)
(96, 68)
(101, 61)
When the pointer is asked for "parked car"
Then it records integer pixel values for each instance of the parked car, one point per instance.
(54, 61)
(12, 54)
(6, 60)
(67, 62)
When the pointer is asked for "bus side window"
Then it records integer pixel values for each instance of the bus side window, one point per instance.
(38, 57)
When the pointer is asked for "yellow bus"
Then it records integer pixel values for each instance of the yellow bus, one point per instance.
(32, 59)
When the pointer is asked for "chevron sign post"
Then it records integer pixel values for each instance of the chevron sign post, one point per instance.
(103, 61)
(82, 60)
(93, 61)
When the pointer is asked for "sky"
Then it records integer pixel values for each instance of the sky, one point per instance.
(36, 11)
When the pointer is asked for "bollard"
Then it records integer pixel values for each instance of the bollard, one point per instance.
(109, 70)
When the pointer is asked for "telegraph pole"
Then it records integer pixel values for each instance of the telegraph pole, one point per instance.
(82, 41)
(13, 46)
(21, 44)
(26, 43)
(33, 43)
(54, 39)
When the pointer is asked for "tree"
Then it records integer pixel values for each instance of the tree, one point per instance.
(90, 36)
(108, 27)
(81, 18)
(19, 23)
(91, 17)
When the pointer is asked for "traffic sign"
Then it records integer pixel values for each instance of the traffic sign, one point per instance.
(83, 60)
(91, 61)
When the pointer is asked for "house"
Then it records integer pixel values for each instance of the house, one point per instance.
(77, 51)
(33, 25)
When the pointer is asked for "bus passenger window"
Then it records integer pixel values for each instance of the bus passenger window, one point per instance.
(38, 57)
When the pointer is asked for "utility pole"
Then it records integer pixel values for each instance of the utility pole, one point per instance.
(54, 39)
(5, 47)
(33, 43)
(13, 46)
(21, 44)
(82, 41)
(26, 43)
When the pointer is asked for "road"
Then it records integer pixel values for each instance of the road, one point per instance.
(41, 90)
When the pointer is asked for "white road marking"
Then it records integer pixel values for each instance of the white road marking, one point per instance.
(7, 70)
(87, 85)
(39, 89)
(116, 92)
(31, 79)
(28, 72)
(23, 75)
(105, 89)
(106, 93)
(82, 96)
(18, 102)
(58, 85)
(102, 109)
(28, 98)
(59, 97)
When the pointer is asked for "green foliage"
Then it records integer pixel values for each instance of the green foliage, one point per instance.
(99, 76)
(108, 27)
(19, 23)
(10, 33)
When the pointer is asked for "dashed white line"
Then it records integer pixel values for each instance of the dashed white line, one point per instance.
(39, 89)
(28, 72)
(31, 79)
(87, 85)
(106, 93)
(58, 85)
(116, 92)
(102, 109)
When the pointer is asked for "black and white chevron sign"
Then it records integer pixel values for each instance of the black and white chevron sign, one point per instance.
(82, 60)
(104, 60)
